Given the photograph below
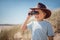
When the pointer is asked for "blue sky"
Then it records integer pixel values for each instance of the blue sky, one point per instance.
(15, 11)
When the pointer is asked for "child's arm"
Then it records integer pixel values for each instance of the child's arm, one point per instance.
(50, 32)
(24, 26)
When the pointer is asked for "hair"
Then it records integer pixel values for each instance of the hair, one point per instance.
(46, 11)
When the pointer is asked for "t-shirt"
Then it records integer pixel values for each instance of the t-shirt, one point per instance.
(40, 30)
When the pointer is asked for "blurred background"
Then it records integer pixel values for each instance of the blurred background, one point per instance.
(14, 12)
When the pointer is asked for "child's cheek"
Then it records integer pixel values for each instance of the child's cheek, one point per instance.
(40, 16)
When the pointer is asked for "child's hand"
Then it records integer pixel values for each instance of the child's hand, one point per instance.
(29, 15)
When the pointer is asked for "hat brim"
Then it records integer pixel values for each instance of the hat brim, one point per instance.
(35, 8)
(47, 11)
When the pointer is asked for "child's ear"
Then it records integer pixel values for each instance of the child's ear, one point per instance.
(44, 14)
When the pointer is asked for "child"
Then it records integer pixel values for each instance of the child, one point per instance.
(40, 28)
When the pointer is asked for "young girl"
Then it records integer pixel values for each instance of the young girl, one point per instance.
(41, 29)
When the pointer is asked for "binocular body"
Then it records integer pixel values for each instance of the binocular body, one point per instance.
(33, 13)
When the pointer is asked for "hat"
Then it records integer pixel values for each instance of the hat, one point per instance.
(42, 7)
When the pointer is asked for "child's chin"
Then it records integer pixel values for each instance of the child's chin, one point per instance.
(37, 19)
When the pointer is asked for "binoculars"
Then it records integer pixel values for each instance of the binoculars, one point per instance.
(33, 13)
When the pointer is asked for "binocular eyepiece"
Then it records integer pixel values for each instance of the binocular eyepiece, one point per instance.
(33, 13)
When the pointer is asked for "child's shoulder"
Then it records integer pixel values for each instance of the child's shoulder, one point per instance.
(44, 21)
(47, 22)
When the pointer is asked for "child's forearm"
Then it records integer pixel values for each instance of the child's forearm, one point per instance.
(24, 26)
(26, 21)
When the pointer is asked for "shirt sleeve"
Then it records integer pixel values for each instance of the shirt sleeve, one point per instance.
(29, 26)
(50, 31)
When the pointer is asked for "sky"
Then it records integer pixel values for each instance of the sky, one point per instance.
(15, 11)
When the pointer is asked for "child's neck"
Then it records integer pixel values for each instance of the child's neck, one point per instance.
(39, 20)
